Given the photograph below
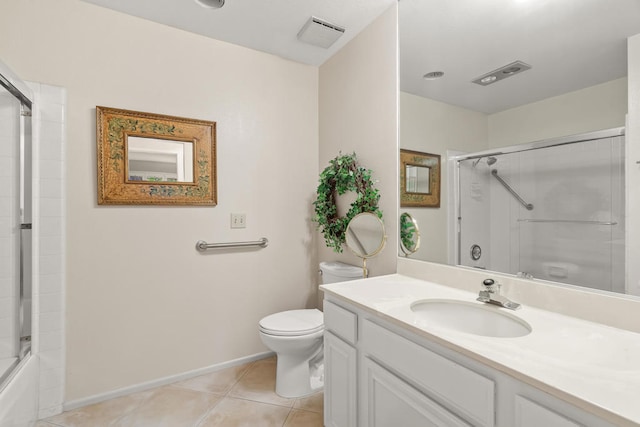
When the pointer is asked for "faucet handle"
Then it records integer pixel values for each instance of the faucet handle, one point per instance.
(491, 285)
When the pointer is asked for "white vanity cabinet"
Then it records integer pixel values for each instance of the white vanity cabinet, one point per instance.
(379, 373)
(340, 373)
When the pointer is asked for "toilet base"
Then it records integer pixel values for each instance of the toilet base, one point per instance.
(297, 378)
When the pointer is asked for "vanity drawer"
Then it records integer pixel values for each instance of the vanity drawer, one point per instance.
(341, 322)
(464, 391)
(531, 414)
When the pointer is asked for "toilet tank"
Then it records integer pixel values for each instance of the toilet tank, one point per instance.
(336, 271)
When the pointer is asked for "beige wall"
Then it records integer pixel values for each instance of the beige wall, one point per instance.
(358, 111)
(435, 127)
(603, 106)
(141, 302)
(633, 169)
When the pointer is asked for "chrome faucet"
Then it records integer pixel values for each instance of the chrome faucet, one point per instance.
(491, 295)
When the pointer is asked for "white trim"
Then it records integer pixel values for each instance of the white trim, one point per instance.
(453, 207)
(96, 398)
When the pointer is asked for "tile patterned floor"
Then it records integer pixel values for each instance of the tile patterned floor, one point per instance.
(235, 397)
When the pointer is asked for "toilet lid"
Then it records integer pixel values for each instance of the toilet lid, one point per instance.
(293, 322)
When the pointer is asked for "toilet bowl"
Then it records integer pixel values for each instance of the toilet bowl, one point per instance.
(296, 336)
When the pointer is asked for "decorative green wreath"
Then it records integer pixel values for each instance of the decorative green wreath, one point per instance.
(342, 175)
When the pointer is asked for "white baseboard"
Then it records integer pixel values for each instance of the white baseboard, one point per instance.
(97, 398)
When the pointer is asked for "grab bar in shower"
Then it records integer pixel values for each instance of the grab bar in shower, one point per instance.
(201, 245)
(528, 206)
(569, 221)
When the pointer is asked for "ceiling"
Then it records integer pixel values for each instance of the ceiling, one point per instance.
(266, 25)
(570, 44)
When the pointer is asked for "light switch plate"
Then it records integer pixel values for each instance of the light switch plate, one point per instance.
(238, 220)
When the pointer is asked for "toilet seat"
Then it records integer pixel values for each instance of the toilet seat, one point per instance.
(293, 323)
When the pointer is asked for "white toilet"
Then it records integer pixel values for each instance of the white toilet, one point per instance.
(296, 336)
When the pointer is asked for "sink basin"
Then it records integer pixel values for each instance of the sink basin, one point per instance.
(469, 318)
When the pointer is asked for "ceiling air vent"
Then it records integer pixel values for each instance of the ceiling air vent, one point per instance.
(502, 73)
(319, 33)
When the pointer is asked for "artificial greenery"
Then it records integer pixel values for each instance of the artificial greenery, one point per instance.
(407, 230)
(341, 176)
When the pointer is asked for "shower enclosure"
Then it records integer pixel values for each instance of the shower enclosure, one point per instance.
(551, 210)
(15, 227)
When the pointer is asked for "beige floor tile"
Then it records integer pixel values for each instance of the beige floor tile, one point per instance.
(232, 412)
(170, 406)
(259, 384)
(44, 424)
(298, 418)
(219, 382)
(313, 403)
(101, 414)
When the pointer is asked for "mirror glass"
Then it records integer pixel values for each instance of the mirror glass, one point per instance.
(159, 160)
(365, 235)
(417, 179)
(570, 79)
(409, 234)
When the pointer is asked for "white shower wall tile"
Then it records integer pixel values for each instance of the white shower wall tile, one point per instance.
(49, 129)
(51, 264)
(51, 341)
(54, 133)
(50, 303)
(52, 169)
(50, 401)
(50, 207)
(50, 284)
(53, 113)
(51, 188)
(50, 322)
(6, 290)
(51, 378)
(51, 226)
(50, 245)
(51, 359)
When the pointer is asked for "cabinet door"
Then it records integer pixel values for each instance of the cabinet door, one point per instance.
(391, 402)
(339, 382)
(530, 414)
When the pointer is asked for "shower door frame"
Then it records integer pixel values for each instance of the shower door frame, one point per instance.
(25, 201)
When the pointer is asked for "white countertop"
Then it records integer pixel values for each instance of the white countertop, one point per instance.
(590, 365)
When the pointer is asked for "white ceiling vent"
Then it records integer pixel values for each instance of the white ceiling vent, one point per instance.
(502, 73)
(319, 33)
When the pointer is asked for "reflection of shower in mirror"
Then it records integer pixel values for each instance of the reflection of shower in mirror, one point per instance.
(575, 234)
(490, 160)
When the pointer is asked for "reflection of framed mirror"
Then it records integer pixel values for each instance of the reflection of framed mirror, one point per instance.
(409, 234)
(146, 158)
(419, 179)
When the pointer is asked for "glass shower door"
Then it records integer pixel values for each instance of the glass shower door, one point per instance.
(15, 232)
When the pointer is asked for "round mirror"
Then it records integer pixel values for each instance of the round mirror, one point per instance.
(409, 234)
(365, 235)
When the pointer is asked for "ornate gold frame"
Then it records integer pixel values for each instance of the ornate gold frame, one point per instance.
(417, 158)
(114, 126)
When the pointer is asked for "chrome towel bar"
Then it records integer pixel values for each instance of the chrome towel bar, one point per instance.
(201, 245)
(568, 221)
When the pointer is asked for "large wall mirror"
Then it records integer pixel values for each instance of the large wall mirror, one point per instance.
(154, 159)
(481, 85)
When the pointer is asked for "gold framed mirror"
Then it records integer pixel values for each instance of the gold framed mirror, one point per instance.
(365, 237)
(419, 179)
(154, 159)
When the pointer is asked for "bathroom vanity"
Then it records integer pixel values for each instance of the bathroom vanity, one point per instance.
(387, 363)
